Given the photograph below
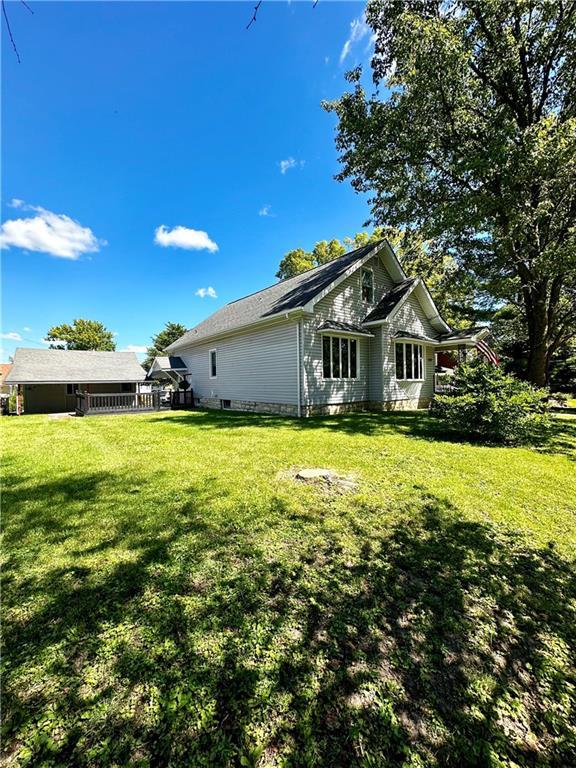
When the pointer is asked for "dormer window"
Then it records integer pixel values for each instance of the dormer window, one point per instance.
(368, 286)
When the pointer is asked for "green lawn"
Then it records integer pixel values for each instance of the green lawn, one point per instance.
(173, 597)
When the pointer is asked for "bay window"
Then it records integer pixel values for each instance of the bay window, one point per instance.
(339, 357)
(409, 361)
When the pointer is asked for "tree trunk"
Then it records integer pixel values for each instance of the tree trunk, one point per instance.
(537, 372)
(537, 317)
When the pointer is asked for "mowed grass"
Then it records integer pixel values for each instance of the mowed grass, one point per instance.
(171, 596)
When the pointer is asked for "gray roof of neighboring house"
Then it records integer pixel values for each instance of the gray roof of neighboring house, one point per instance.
(284, 296)
(170, 362)
(389, 301)
(337, 325)
(54, 366)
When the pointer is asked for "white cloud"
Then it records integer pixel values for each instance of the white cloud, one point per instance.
(285, 165)
(47, 232)
(290, 162)
(203, 292)
(12, 336)
(358, 31)
(16, 203)
(184, 237)
(138, 348)
(266, 210)
(26, 328)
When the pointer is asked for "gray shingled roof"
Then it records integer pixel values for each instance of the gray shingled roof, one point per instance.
(282, 297)
(71, 366)
(170, 362)
(338, 325)
(389, 301)
(410, 335)
(465, 334)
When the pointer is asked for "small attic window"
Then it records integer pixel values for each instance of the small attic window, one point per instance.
(368, 286)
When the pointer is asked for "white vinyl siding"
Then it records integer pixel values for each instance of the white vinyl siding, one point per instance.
(383, 384)
(344, 304)
(255, 366)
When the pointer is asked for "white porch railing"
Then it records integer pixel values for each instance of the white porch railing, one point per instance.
(117, 402)
(442, 384)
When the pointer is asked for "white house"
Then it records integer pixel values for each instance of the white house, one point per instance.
(352, 334)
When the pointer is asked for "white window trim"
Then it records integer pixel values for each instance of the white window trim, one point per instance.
(210, 363)
(371, 270)
(348, 339)
(414, 344)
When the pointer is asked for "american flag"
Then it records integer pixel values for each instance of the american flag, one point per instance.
(488, 352)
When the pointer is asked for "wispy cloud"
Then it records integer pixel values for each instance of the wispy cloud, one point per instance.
(138, 348)
(184, 237)
(289, 163)
(26, 328)
(359, 29)
(16, 203)
(203, 292)
(47, 232)
(266, 210)
(12, 336)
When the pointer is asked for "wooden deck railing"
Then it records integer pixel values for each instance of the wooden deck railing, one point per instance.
(88, 403)
(117, 402)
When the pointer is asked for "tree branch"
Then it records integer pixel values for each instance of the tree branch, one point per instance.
(10, 31)
(253, 19)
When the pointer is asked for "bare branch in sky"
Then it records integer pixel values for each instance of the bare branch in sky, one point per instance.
(10, 31)
(253, 19)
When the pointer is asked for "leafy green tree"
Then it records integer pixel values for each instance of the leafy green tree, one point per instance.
(470, 136)
(294, 263)
(82, 334)
(168, 335)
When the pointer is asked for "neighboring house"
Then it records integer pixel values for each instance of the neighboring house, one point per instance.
(4, 371)
(49, 378)
(352, 334)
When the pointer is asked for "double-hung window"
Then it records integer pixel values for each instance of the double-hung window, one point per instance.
(368, 286)
(212, 363)
(339, 357)
(409, 361)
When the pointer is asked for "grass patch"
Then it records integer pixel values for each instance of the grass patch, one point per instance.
(172, 597)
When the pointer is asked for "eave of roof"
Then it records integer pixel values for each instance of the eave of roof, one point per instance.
(407, 336)
(348, 329)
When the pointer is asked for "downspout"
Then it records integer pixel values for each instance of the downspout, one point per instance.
(298, 368)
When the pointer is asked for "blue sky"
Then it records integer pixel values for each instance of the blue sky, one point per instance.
(123, 118)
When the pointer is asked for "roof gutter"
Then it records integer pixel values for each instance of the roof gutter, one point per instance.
(290, 315)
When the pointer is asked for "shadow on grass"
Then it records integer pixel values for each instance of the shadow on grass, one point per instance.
(433, 641)
(561, 439)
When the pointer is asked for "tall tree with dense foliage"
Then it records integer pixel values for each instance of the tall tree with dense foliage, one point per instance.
(470, 137)
(168, 335)
(81, 334)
